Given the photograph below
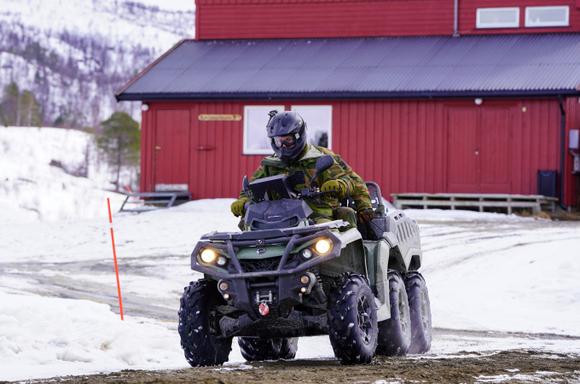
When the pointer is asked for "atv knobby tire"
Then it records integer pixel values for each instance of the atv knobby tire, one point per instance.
(257, 348)
(395, 333)
(352, 321)
(200, 346)
(420, 309)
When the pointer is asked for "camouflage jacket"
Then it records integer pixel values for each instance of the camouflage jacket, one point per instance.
(324, 206)
(360, 192)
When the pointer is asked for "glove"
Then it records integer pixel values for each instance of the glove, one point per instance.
(238, 207)
(337, 186)
(366, 215)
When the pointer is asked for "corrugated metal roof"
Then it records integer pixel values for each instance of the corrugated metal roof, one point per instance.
(363, 67)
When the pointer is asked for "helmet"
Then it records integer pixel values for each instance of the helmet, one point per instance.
(286, 131)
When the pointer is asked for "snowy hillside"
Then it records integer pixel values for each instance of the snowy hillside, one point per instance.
(37, 175)
(75, 54)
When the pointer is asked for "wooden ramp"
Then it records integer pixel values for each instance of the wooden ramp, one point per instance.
(147, 201)
(482, 202)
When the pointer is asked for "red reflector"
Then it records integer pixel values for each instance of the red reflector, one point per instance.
(263, 309)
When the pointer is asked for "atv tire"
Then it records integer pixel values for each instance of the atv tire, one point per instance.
(420, 309)
(257, 348)
(352, 321)
(200, 346)
(395, 333)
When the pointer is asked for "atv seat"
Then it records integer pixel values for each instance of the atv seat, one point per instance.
(374, 229)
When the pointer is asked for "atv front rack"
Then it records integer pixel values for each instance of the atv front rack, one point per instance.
(272, 233)
(290, 263)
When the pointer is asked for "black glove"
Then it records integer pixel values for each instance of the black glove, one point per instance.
(366, 215)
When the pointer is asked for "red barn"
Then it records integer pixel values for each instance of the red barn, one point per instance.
(427, 96)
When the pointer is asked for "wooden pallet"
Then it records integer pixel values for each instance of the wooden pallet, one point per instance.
(468, 200)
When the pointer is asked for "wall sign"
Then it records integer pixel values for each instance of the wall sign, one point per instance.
(217, 117)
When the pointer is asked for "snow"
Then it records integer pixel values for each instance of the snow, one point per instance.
(539, 377)
(174, 5)
(75, 54)
(33, 189)
(428, 215)
(47, 336)
(531, 288)
(496, 282)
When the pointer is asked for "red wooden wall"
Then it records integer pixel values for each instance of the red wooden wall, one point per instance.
(468, 9)
(321, 18)
(407, 146)
(572, 187)
(232, 19)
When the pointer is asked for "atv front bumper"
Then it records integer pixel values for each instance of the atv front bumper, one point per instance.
(294, 325)
(280, 281)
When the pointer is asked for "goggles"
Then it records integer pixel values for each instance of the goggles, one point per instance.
(285, 141)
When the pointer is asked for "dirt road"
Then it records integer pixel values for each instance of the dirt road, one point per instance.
(521, 366)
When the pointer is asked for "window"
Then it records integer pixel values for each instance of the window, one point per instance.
(548, 16)
(498, 18)
(318, 123)
(255, 139)
(318, 120)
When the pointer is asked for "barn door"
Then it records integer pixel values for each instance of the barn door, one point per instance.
(479, 144)
(171, 149)
(495, 142)
(463, 164)
(212, 153)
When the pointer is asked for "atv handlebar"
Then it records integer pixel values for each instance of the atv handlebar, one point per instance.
(313, 193)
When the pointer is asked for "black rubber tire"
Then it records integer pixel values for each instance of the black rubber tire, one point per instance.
(257, 348)
(200, 346)
(289, 348)
(352, 321)
(420, 309)
(395, 333)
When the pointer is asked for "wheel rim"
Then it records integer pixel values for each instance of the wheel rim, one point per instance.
(364, 318)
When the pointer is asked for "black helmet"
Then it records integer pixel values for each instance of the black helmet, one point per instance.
(286, 131)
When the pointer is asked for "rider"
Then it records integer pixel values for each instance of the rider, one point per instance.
(292, 154)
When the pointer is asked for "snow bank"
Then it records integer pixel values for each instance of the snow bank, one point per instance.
(44, 337)
(168, 232)
(31, 188)
(526, 288)
(174, 5)
(441, 215)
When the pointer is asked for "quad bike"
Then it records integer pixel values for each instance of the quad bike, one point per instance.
(287, 277)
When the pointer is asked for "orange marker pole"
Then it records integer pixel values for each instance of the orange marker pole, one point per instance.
(115, 260)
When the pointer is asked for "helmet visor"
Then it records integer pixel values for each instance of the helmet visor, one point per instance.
(286, 141)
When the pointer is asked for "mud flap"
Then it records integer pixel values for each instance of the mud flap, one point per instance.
(378, 260)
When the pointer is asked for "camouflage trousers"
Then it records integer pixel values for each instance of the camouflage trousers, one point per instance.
(341, 213)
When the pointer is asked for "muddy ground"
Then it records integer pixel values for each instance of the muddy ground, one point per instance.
(520, 366)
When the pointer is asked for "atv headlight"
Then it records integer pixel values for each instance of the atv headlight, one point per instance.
(323, 246)
(208, 256)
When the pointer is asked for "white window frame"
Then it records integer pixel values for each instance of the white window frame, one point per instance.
(303, 110)
(247, 110)
(514, 24)
(535, 24)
